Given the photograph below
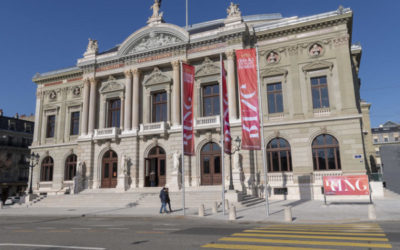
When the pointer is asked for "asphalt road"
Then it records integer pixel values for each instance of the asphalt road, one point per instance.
(188, 233)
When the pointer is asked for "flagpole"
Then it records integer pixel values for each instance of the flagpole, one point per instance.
(262, 135)
(183, 148)
(187, 15)
(221, 108)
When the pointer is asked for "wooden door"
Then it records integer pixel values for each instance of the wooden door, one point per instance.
(155, 168)
(211, 172)
(109, 177)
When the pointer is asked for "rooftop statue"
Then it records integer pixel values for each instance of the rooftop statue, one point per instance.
(156, 8)
(233, 10)
(92, 47)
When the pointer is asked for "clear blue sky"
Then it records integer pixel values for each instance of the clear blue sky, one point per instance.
(45, 35)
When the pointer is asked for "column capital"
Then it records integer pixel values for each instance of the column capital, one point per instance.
(135, 71)
(175, 64)
(92, 80)
(128, 73)
(230, 54)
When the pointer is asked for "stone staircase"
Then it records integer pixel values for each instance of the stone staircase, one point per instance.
(246, 200)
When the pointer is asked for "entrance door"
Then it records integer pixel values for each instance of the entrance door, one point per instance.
(109, 170)
(155, 168)
(211, 172)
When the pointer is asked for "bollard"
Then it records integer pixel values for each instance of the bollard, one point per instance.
(201, 210)
(288, 214)
(232, 213)
(226, 204)
(215, 208)
(371, 212)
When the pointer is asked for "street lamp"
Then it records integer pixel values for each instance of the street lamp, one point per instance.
(33, 161)
(235, 149)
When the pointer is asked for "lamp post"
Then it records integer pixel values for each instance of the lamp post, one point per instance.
(236, 148)
(33, 161)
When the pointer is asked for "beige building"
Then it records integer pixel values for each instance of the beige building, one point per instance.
(114, 119)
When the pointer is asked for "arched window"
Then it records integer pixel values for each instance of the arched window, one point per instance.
(325, 150)
(46, 171)
(279, 157)
(211, 164)
(70, 167)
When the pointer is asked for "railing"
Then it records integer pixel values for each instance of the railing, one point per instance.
(207, 122)
(106, 133)
(153, 128)
(280, 178)
(322, 112)
(318, 176)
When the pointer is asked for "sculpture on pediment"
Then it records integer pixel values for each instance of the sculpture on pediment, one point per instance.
(233, 10)
(53, 95)
(156, 8)
(110, 86)
(92, 47)
(155, 40)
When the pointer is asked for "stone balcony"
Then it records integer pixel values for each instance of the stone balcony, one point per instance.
(207, 122)
(322, 112)
(153, 128)
(106, 133)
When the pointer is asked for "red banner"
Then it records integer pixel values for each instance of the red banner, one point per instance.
(225, 105)
(346, 185)
(188, 131)
(248, 90)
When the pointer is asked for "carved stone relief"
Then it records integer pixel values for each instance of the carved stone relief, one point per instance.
(315, 50)
(154, 40)
(272, 57)
(156, 77)
(207, 68)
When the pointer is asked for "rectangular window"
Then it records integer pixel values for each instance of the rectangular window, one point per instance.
(275, 100)
(211, 100)
(74, 123)
(159, 113)
(114, 113)
(51, 125)
(319, 89)
(375, 140)
(386, 139)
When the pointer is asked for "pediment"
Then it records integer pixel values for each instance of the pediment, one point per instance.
(317, 65)
(208, 67)
(111, 85)
(156, 77)
(273, 72)
(154, 38)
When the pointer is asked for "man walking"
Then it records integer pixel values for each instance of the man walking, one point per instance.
(163, 198)
(168, 200)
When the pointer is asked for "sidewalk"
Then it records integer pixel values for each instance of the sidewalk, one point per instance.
(302, 211)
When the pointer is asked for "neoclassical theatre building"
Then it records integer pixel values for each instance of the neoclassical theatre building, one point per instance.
(113, 121)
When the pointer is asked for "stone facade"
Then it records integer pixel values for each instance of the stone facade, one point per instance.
(291, 51)
(15, 137)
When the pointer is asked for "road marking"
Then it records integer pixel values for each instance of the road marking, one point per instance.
(149, 232)
(306, 242)
(12, 228)
(255, 247)
(118, 228)
(323, 230)
(51, 246)
(80, 228)
(167, 229)
(330, 225)
(45, 228)
(310, 237)
(313, 232)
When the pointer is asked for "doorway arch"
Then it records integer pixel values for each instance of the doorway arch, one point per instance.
(155, 168)
(109, 172)
(210, 160)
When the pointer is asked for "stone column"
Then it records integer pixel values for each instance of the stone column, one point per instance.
(128, 100)
(176, 95)
(85, 109)
(146, 107)
(92, 105)
(231, 84)
(122, 121)
(135, 99)
(36, 132)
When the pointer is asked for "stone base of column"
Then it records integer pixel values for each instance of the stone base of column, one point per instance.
(122, 184)
(174, 182)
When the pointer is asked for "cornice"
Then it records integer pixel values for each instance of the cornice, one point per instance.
(40, 79)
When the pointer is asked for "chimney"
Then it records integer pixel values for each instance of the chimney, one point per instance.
(1, 112)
